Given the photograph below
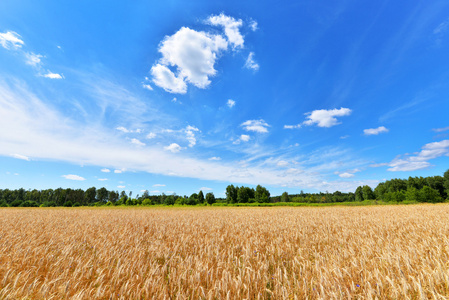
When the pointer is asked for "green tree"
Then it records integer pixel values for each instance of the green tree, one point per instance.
(446, 182)
(231, 194)
(359, 194)
(102, 195)
(210, 198)
(193, 199)
(284, 197)
(201, 197)
(368, 193)
(430, 195)
(90, 195)
(262, 195)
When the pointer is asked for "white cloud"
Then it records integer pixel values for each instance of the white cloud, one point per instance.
(33, 59)
(122, 129)
(255, 125)
(102, 179)
(174, 148)
(193, 54)
(253, 25)
(31, 128)
(147, 86)
(151, 135)
(19, 156)
(166, 79)
(441, 129)
(119, 171)
(292, 126)
(205, 189)
(73, 177)
(346, 175)
(216, 158)
(250, 63)
(344, 137)
(104, 170)
(137, 142)
(242, 138)
(158, 185)
(53, 75)
(190, 135)
(326, 118)
(231, 28)
(11, 40)
(155, 192)
(420, 159)
(282, 163)
(121, 186)
(230, 103)
(375, 131)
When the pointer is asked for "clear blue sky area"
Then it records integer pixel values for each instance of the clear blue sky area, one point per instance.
(178, 96)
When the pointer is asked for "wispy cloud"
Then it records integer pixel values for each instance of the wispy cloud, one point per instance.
(73, 177)
(421, 159)
(11, 40)
(19, 156)
(251, 63)
(441, 129)
(292, 126)
(137, 142)
(375, 131)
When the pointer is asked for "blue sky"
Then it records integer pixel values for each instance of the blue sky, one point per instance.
(178, 96)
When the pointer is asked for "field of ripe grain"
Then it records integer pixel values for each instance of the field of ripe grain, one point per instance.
(217, 253)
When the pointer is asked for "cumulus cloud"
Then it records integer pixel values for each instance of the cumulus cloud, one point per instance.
(250, 63)
(166, 79)
(375, 131)
(19, 156)
(102, 179)
(11, 40)
(326, 118)
(119, 171)
(73, 177)
(193, 54)
(173, 147)
(53, 75)
(122, 129)
(190, 135)
(216, 158)
(420, 159)
(121, 186)
(105, 170)
(137, 142)
(231, 28)
(230, 103)
(256, 126)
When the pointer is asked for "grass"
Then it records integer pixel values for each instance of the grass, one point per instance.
(388, 252)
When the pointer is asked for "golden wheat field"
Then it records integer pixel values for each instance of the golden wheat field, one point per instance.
(384, 252)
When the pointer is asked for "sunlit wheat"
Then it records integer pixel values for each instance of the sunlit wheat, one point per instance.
(218, 253)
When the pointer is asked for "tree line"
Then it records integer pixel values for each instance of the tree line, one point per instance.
(430, 189)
